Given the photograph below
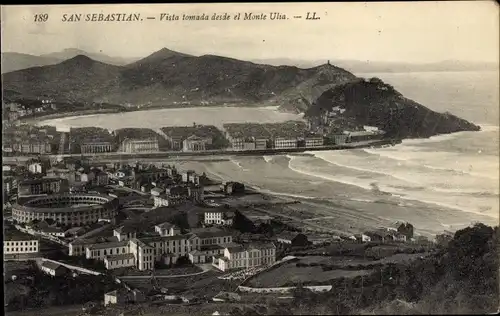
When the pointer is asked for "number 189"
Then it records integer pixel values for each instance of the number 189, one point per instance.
(41, 17)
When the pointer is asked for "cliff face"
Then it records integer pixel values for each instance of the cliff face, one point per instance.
(378, 104)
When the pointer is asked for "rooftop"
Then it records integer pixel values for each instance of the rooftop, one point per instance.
(52, 265)
(106, 245)
(13, 234)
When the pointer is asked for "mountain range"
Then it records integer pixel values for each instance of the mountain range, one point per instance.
(12, 61)
(168, 77)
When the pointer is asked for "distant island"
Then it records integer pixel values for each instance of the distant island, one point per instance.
(168, 78)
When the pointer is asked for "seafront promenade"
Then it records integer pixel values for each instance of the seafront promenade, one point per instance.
(211, 154)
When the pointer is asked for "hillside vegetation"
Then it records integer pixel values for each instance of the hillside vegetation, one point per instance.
(459, 279)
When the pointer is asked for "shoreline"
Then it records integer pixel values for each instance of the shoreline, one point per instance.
(91, 112)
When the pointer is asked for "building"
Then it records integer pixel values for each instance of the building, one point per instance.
(168, 200)
(102, 250)
(363, 238)
(35, 167)
(233, 187)
(39, 145)
(218, 217)
(194, 143)
(339, 139)
(245, 256)
(148, 145)
(167, 229)
(360, 136)
(119, 296)
(124, 233)
(66, 209)
(41, 186)
(19, 243)
(157, 191)
(293, 239)
(93, 147)
(119, 261)
(63, 173)
(313, 141)
(53, 269)
(53, 231)
(283, 142)
(404, 228)
(374, 236)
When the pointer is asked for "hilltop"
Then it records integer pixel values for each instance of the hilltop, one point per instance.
(375, 103)
(170, 78)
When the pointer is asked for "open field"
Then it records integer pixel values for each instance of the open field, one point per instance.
(289, 275)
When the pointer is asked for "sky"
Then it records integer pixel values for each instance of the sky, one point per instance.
(416, 32)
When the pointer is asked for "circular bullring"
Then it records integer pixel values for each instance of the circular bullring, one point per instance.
(66, 209)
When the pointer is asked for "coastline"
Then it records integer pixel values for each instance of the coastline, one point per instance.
(91, 112)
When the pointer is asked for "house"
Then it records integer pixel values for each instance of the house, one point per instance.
(404, 228)
(400, 237)
(146, 188)
(218, 217)
(53, 269)
(157, 191)
(119, 296)
(374, 236)
(35, 167)
(233, 187)
(363, 238)
(167, 229)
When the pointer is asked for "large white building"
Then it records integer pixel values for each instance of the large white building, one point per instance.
(282, 142)
(140, 145)
(17, 246)
(218, 217)
(143, 253)
(245, 256)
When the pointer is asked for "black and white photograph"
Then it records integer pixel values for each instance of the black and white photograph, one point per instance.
(323, 158)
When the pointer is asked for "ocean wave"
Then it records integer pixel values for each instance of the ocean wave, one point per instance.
(485, 128)
(268, 158)
(237, 163)
(412, 162)
(382, 189)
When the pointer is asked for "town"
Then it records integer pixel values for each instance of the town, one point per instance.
(22, 138)
(147, 227)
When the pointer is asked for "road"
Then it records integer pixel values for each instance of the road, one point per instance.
(205, 268)
(68, 310)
